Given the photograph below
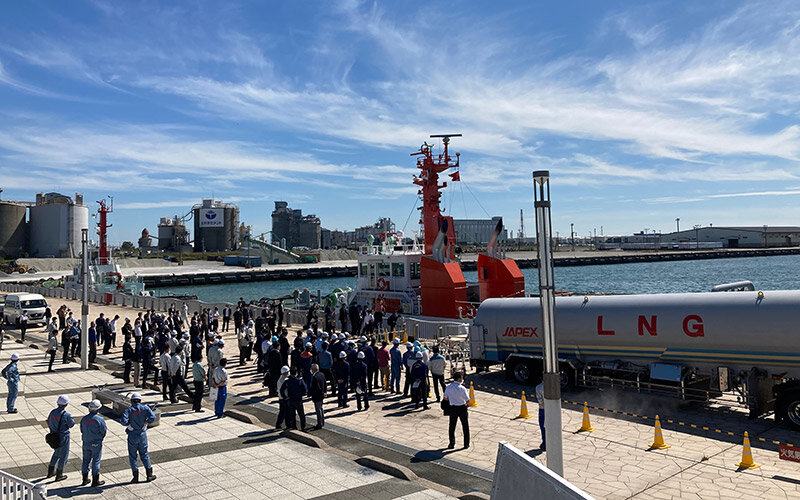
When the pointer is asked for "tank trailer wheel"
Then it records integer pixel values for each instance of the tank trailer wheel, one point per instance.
(793, 413)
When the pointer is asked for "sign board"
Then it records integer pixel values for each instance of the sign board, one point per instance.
(212, 217)
(786, 452)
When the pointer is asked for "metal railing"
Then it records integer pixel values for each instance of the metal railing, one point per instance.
(14, 488)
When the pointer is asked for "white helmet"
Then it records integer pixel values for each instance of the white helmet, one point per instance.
(360, 355)
(63, 400)
(136, 396)
(95, 405)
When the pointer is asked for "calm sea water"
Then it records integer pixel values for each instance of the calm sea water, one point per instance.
(766, 273)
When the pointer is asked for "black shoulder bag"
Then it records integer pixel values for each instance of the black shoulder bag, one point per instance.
(53, 438)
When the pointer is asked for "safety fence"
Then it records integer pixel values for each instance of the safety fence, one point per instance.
(118, 299)
(14, 488)
(424, 329)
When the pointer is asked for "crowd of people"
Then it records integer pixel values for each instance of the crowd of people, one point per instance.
(314, 365)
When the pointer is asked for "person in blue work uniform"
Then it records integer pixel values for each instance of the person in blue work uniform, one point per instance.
(341, 373)
(93, 431)
(11, 374)
(326, 365)
(359, 382)
(136, 419)
(397, 366)
(59, 422)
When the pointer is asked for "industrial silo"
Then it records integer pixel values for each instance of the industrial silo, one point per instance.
(13, 230)
(55, 225)
(166, 234)
(216, 226)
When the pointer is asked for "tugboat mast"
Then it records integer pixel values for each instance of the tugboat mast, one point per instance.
(430, 189)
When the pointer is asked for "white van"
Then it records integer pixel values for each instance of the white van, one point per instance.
(33, 303)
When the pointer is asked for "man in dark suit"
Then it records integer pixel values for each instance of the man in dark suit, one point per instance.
(318, 386)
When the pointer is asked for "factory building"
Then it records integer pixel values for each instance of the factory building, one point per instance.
(171, 234)
(477, 231)
(216, 226)
(292, 229)
(738, 236)
(706, 238)
(55, 225)
(13, 229)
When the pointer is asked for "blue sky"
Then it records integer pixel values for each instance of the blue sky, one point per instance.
(644, 112)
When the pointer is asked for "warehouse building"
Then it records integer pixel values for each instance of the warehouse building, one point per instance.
(477, 231)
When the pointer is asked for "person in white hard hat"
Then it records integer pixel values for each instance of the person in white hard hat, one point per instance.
(11, 374)
(283, 408)
(341, 373)
(93, 431)
(59, 422)
(136, 419)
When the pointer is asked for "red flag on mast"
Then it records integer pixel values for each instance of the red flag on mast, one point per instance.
(456, 176)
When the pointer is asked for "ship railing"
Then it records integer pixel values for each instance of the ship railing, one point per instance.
(14, 488)
(382, 249)
(435, 330)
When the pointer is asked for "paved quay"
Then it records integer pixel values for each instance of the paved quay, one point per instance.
(612, 462)
(194, 456)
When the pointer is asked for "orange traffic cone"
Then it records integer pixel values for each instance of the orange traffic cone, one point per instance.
(523, 408)
(472, 402)
(747, 455)
(586, 425)
(658, 442)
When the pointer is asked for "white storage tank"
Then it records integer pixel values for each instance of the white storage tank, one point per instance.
(56, 222)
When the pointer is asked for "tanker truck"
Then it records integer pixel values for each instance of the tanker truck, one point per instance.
(698, 346)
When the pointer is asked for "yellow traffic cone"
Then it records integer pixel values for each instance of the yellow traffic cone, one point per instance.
(523, 408)
(586, 425)
(658, 442)
(472, 402)
(747, 455)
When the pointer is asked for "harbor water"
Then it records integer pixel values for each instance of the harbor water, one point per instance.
(766, 273)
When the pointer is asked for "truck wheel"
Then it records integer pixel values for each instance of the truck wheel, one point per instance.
(793, 412)
(523, 372)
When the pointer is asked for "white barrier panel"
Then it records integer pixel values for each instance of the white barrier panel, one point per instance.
(422, 329)
(13, 488)
(516, 475)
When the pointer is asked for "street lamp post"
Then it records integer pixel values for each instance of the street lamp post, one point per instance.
(551, 377)
(571, 235)
(84, 300)
(696, 237)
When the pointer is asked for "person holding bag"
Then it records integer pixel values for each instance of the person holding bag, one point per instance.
(11, 374)
(59, 422)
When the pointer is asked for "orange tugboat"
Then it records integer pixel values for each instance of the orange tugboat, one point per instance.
(426, 280)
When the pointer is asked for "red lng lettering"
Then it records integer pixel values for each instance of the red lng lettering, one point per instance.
(600, 330)
(650, 327)
(694, 329)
